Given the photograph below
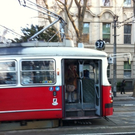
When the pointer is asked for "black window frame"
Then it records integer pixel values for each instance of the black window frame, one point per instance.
(109, 34)
(127, 3)
(127, 69)
(86, 34)
(127, 33)
(106, 2)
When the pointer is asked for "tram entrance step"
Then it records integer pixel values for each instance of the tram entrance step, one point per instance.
(81, 118)
(85, 106)
(74, 109)
(72, 112)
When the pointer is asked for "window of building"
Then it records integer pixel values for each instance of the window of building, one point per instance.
(88, 2)
(127, 34)
(106, 32)
(85, 28)
(127, 69)
(63, 1)
(106, 2)
(8, 72)
(86, 32)
(38, 72)
(127, 3)
(81, 2)
(129, 84)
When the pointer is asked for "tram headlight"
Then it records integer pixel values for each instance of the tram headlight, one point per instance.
(110, 91)
(111, 96)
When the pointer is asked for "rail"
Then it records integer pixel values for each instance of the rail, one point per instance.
(119, 55)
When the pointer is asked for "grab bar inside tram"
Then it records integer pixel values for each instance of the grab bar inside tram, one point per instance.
(97, 88)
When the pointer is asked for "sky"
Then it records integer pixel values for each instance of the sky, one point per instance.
(14, 16)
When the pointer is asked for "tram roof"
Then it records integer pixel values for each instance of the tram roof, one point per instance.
(52, 51)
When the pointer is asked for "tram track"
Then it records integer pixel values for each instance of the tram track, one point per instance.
(43, 124)
(121, 113)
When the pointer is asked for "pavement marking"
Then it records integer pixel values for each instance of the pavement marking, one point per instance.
(114, 133)
(128, 105)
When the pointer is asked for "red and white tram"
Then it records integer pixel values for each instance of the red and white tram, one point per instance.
(32, 83)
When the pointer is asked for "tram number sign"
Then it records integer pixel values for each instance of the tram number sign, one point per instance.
(100, 45)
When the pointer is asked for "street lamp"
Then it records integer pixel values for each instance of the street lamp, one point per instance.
(114, 52)
(134, 7)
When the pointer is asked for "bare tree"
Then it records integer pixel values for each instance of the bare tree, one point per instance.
(49, 18)
(65, 6)
(81, 6)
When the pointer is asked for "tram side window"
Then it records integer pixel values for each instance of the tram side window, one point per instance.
(38, 72)
(8, 72)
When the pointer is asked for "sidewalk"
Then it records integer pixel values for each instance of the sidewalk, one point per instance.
(126, 96)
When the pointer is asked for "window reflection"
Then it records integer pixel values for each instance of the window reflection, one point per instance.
(127, 34)
(106, 32)
(8, 74)
(127, 70)
(38, 71)
(127, 3)
(106, 2)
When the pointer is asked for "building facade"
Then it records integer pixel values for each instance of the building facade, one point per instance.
(99, 24)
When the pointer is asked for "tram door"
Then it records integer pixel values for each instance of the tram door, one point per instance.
(98, 93)
(82, 100)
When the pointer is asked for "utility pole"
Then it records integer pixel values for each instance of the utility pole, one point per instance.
(134, 7)
(114, 52)
(134, 44)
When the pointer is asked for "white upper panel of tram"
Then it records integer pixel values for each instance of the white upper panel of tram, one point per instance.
(53, 51)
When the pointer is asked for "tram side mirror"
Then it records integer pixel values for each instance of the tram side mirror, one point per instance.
(110, 60)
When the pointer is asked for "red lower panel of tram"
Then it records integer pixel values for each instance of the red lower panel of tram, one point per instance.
(30, 103)
(107, 101)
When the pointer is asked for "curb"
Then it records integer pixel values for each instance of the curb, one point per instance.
(126, 105)
(121, 99)
(69, 129)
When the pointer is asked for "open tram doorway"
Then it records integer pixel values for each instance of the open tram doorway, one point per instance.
(82, 95)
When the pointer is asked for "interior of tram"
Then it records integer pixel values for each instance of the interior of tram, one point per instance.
(82, 87)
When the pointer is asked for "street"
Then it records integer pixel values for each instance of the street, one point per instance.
(121, 122)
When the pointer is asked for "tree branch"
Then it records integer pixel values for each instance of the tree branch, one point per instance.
(72, 21)
(81, 9)
(50, 20)
(59, 4)
(64, 4)
(77, 3)
(84, 8)
(70, 4)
